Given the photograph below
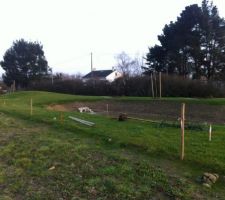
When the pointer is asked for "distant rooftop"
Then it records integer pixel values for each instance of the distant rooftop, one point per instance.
(98, 74)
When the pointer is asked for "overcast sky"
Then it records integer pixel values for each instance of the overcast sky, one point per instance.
(70, 29)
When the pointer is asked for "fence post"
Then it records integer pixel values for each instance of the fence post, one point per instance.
(107, 109)
(152, 84)
(156, 85)
(160, 85)
(182, 130)
(14, 86)
(210, 132)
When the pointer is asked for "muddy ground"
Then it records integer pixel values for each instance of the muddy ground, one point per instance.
(154, 110)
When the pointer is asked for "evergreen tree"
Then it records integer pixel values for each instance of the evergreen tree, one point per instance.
(212, 41)
(24, 62)
(193, 45)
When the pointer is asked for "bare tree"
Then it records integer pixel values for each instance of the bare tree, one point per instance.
(78, 75)
(128, 66)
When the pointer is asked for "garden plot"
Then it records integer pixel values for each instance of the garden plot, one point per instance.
(155, 110)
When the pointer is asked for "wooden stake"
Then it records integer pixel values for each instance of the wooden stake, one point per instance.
(14, 86)
(210, 132)
(160, 85)
(31, 107)
(4, 102)
(182, 130)
(156, 90)
(152, 86)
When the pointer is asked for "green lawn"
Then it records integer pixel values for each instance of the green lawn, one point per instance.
(42, 158)
(50, 97)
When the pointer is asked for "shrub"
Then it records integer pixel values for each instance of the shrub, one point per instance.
(172, 86)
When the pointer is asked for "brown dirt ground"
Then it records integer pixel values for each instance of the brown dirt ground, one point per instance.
(154, 110)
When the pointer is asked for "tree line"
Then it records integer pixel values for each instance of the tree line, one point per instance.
(172, 86)
(193, 46)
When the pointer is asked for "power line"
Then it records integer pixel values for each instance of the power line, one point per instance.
(71, 59)
(98, 55)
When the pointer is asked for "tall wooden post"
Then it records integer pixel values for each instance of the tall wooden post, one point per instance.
(210, 132)
(156, 89)
(160, 85)
(182, 130)
(152, 84)
(14, 86)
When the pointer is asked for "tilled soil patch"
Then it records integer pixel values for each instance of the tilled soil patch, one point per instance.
(154, 110)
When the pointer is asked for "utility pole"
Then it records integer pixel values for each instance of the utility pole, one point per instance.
(52, 78)
(91, 63)
(92, 75)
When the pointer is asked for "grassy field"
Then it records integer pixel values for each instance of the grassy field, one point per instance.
(43, 158)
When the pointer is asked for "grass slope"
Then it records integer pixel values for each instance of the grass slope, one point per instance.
(46, 163)
(113, 160)
(51, 97)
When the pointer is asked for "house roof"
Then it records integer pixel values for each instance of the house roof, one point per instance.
(98, 74)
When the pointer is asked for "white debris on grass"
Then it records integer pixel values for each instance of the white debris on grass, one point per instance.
(85, 110)
(52, 168)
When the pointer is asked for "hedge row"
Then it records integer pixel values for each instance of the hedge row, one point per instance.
(172, 86)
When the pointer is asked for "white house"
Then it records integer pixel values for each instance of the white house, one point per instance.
(103, 75)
